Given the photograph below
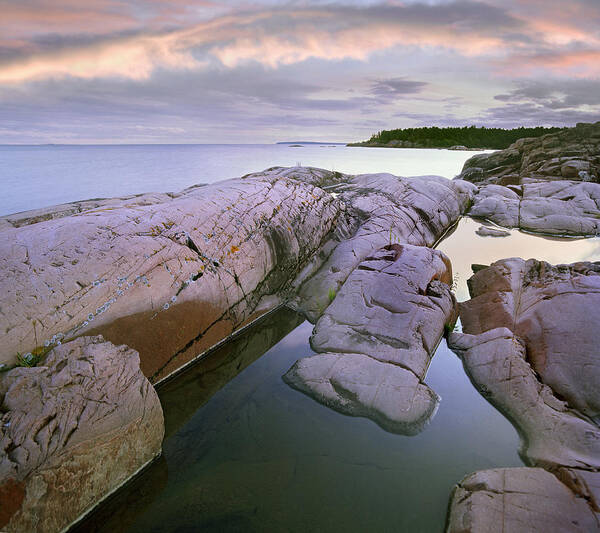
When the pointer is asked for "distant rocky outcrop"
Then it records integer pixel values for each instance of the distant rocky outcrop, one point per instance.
(548, 184)
(73, 429)
(530, 347)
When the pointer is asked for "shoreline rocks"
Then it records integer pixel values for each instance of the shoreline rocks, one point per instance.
(377, 337)
(73, 429)
(529, 347)
(549, 184)
(170, 277)
(517, 499)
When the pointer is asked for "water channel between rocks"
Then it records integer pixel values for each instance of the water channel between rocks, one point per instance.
(244, 452)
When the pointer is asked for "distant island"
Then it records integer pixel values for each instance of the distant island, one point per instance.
(465, 138)
(309, 142)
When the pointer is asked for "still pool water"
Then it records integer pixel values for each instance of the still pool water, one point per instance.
(244, 452)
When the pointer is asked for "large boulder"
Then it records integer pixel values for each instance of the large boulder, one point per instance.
(73, 429)
(168, 275)
(553, 310)
(376, 339)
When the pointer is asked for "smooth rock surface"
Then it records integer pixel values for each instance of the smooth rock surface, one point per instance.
(551, 433)
(553, 310)
(168, 275)
(73, 429)
(380, 209)
(517, 500)
(556, 208)
(377, 337)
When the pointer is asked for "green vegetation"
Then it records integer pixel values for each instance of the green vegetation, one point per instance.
(470, 137)
(331, 294)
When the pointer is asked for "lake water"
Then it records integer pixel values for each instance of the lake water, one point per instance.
(39, 176)
(245, 453)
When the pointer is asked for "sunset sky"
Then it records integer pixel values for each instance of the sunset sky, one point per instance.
(174, 71)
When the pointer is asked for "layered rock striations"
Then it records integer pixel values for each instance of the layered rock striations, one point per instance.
(168, 275)
(73, 430)
(548, 184)
(375, 350)
(514, 500)
(530, 347)
(376, 339)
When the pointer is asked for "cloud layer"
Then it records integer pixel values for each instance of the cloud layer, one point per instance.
(326, 66)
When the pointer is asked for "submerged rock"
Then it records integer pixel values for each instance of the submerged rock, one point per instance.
(73, 429)
(517, 500)
(487, 231)
(377, 337)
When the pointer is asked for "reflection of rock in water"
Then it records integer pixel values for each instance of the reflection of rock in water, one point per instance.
(118, 513)
(181, 397)
(377, 338)
(530, 347)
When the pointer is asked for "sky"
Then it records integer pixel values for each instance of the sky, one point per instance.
(176, 71)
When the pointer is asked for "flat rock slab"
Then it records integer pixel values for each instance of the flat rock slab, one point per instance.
(517, 500)
(358, 385)
(73, 429)
(378, 336)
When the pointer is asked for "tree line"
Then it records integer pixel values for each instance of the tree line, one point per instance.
(469, 136)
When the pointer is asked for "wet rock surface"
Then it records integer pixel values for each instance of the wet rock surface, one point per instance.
(376, 339)
(548, 184)
(73, 429)
(511, 500)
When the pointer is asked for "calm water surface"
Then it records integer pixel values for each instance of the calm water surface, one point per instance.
(244, 452)
(39, 176)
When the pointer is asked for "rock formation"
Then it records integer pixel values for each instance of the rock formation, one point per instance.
(168, 275)
(73, 430)
(517, 500)
(529, 346)
(376, 339)
(548, 184)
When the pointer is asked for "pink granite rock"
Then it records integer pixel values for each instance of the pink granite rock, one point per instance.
(73, 430)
